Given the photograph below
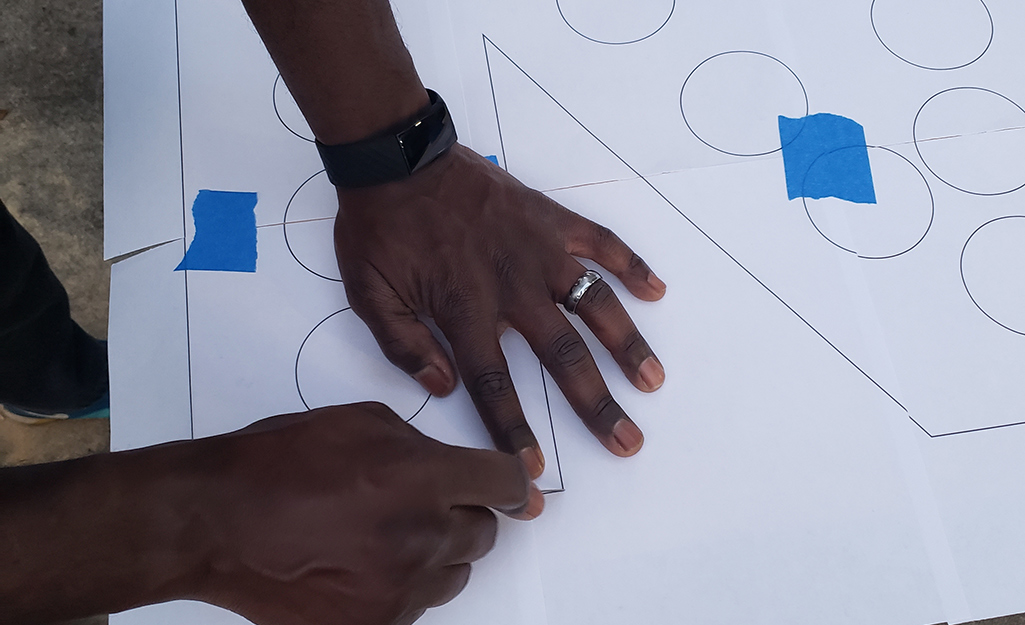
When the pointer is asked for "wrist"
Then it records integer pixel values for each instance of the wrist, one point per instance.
(166, 486)
(396, 153)
(356, 120)
(93, 536)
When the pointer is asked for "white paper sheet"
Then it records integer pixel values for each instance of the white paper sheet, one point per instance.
(142, 158)
(823, 449)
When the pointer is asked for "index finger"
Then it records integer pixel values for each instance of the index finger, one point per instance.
(484, 370)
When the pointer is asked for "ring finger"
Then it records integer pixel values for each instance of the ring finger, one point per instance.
(563, 353)
(604, 314)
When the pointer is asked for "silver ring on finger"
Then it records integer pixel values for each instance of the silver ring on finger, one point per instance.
(586, 281)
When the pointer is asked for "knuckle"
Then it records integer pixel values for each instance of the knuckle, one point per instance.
(394, 346)
(605, 413)
(636, 263)
(492, 386)
(400, 352)
(634, 344)
(455, 305)
(603, 236)
(505, 269)
(567, 351)
(516, 433)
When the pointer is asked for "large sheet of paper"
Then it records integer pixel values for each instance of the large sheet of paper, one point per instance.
(839, 437)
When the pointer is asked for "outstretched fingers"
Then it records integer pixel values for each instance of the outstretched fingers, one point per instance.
(563, 353)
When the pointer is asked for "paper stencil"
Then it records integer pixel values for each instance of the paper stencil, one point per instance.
(838, 439)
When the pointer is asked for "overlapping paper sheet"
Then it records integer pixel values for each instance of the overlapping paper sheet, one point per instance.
(837, 438)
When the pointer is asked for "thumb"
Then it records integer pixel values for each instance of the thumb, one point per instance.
(405, 340)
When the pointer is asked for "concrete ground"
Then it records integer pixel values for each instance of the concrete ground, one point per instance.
(51, 178)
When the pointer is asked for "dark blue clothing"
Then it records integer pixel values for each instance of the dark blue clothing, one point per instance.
(47, 362)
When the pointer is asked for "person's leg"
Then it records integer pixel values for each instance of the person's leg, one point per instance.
(48, 364)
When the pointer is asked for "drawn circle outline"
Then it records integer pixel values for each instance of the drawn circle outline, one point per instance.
(964, 281)
(558, 5)
(992, 33)
(274, 101)
(807, 105)
(299, 354)
(284, 229)
(914, 135)
(932, 202)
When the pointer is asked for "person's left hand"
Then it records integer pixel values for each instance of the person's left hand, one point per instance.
(465, 243)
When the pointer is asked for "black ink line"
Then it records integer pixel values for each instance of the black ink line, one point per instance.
(698, 228)
(299, 354)
(741, 265)
(555, 442)
(420, 409)
(491, 79)
(672, 10)
(284, 228)
(274, 101)
(913, 420)
(181, 162)
(964, 280)
(932, 202)
(992, 32)
(917, 141)
(975, 430)
(683, 111)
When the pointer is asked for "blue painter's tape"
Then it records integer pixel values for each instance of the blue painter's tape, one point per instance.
(825, 155)
(225, 233)
(492, 158)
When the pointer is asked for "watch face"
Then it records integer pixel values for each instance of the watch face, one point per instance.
(419, 142)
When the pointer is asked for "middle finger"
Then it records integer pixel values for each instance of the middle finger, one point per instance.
(562, 351)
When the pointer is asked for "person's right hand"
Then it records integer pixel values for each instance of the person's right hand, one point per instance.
(339, 515)
(348, 515)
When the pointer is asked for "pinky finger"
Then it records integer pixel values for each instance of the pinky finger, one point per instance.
(587, 239)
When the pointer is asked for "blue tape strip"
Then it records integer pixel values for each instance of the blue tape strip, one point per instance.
(826, 155)
(225, 233)
(493, 159)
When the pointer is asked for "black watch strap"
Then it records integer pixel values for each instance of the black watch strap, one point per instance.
(393, 154)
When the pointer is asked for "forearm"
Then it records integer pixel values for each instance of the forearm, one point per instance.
(343, 61)
(91, 536)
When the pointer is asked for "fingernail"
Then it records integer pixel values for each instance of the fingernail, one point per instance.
(628, 436)
(652, 374)
(534, 460)
(655, 283)
(432, 379)
(535, 505)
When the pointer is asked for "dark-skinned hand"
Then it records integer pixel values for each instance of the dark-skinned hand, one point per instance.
(340, 515)
(468, 245)
(349, 515)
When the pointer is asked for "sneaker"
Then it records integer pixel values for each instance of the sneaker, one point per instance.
(99, 409)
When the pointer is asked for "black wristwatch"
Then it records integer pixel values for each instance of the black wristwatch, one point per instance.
(393, 154)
